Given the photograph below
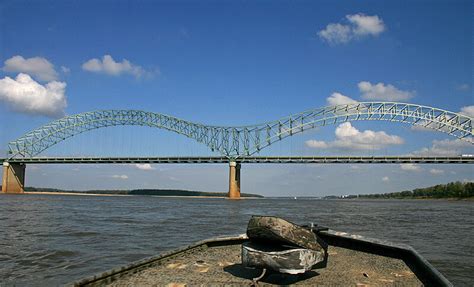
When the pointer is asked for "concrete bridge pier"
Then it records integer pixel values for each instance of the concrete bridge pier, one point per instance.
(13, 177)
(234, 180)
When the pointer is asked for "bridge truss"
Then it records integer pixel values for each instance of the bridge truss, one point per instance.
(250, 160)
(243, 141)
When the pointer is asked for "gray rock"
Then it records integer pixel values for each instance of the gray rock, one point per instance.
(280, 258)
(270, 229)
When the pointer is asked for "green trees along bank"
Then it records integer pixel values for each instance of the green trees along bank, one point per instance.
(451, 190)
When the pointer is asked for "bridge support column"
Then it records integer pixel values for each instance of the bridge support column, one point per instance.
(13, 178)
(234, 180)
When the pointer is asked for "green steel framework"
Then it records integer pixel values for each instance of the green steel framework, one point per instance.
(242, 141)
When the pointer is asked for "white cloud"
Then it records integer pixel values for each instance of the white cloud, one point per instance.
(423, 126)
(446, 148)
(65, 70)
(339, 99)
(26, 95)
(316, 144)
(467, 111)
(385, 178)
(120, 176)
(463, 87)
(145, 166)
(110, 67)
(348, 137)
(410, 167)
(436, 171)
(383, 92)
(426, 126)
(336, 33)
(359, 25)
(38, 67)
(366, 25)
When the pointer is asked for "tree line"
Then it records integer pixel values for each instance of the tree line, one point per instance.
(160, 192)
(451, 190)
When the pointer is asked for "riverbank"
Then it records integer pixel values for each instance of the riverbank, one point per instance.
(103, 194)
(415, 198)
(72, 193)
(450, 191)
(180, 193)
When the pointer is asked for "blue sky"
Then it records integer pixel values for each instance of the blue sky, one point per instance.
(236, 63)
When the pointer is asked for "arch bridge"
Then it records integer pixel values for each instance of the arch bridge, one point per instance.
(233, 143)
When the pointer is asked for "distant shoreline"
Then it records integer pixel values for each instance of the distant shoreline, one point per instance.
(73, 193)
(117, 194)
(431, 198)
(450, 191)
(177, 193)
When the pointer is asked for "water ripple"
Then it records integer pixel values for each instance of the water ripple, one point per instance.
(53, 240)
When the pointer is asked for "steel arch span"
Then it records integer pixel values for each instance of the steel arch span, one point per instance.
(241, 141)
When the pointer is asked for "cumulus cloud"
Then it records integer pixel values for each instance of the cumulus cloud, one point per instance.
(120, 176)
(410, 167)
(385, 178)
(38, 67)
(348, 137)
(436, 171)
(366, 25)
(383, 92)
(339, 99)
(23, 94)
(145, 166)
(446, 147)
(358, 26)
(336, 33)
(467, 111)
(110, 67)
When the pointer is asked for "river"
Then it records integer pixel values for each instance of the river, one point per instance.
(57, 239)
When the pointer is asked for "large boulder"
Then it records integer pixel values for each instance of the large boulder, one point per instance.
(277, 230)
(281, 246)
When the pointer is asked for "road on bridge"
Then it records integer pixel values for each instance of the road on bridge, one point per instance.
(249, 160)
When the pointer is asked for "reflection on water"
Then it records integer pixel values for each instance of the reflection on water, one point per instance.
(56, 239)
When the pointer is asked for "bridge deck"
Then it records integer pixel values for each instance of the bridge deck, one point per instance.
(253, 159)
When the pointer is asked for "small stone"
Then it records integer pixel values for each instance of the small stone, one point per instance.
(224, 264)
(203, 269)
(172, 265)
(176, 266)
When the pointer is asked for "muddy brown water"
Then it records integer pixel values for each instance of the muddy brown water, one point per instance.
(57, 239)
